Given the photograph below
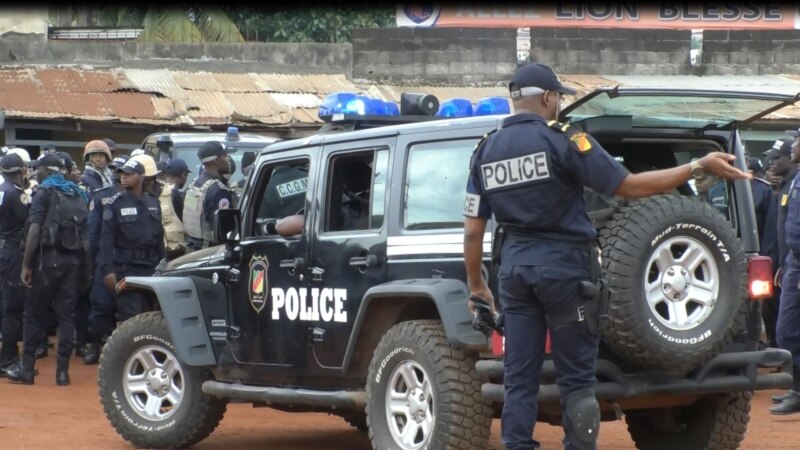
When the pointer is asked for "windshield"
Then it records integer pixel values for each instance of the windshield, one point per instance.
(189, 154)
(677, 110)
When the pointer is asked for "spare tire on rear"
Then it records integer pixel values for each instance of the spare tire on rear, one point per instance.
(677, 274)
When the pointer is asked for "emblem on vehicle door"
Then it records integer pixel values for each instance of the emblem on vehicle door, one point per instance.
(258, 282)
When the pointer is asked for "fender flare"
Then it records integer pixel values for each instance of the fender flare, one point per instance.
(449, 296)
(180, 304)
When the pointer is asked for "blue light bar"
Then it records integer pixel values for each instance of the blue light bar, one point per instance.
(377, 107)
(455, 107)
(232, 134)
(343, 103)
(492, 105)
(391, 108)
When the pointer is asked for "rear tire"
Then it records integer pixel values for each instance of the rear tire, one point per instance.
(712, 423)
(148, 396)
(677, 274)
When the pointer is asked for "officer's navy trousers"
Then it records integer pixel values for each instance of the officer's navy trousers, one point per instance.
(788, 327)
(54, 285)
(132, 303)
(14, 301)
(103, 310)
(527, 294)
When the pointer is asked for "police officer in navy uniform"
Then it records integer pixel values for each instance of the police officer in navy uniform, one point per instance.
(788, 326)
(13, 215)
(55, 248)
(206, 195)
(132, 237)
(102, 311)
(530, 174)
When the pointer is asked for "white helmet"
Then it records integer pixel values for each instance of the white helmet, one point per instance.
(26, 157)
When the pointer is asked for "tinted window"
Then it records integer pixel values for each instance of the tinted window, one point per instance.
(436, 180)
(280, 192)
(356, 190)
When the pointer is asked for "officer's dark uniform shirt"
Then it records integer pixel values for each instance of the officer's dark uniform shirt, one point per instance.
(215, 198)
(792, 226)
(13, 213)
(93, 180)
(100, 198)
(531, 176)
(286, 192)
(766, 218)
(177, 201)
(783, 205)
(132, 233)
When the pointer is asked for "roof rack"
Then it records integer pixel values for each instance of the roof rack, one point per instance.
(352, 122)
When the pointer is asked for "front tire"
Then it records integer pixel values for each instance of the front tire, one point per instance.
(423, 393)
(712, 423)
(150, 398)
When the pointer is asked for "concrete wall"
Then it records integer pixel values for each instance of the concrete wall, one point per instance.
(456, 55)
(751, 52)
(612, 52)
(666, 52)
(23, 19)
(243, 57)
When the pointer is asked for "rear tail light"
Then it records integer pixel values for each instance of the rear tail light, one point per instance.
(759, 269)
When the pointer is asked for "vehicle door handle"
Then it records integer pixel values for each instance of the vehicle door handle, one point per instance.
(296, 263)
(316, 274)
(364, 261)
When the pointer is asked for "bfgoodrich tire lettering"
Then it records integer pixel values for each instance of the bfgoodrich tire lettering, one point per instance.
(712, 423)
(150, 399)
(420, 385)
(677, 273)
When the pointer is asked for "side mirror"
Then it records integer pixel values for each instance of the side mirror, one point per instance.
(227, 225)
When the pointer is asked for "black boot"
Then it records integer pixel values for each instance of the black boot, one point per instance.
(41, 351)
(20, 374)
(92, 355)
(62, 372)
(81, 349)
(789, 406)
(6, 363)
(779, 398)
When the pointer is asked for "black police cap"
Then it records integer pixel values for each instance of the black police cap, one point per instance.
(780, 147)
(49, 160)
(68, 162)
(12, 163)
(211, 150)
(534, 79)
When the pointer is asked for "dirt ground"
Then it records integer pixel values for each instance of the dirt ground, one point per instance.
(46, 416)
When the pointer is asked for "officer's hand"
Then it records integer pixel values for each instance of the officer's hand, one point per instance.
(773, 179)
(110, 281)
(778, 276)
(25, 276)
(718, 164)
(484, 293)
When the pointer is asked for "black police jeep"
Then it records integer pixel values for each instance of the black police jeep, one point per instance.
(364, 314)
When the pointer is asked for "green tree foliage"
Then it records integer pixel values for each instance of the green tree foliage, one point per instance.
(168, 23)
(316, 23)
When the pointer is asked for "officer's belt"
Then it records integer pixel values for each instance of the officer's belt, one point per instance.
(141, 257)
(589, 247)
(7, 243)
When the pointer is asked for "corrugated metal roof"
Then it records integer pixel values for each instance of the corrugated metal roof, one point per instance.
(164, 97)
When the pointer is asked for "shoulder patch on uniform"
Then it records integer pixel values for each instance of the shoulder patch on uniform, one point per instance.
(224, 203)
(579, 139)
(91, 206)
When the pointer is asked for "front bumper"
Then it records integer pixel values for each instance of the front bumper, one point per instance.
(727, 372)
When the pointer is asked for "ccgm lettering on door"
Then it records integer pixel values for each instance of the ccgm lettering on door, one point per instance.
(513, 171)
(293, 187)
(322, 304)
